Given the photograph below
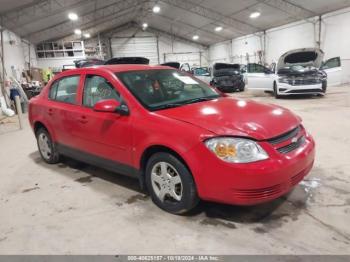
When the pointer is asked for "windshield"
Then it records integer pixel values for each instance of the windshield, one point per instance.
(202, 71)
(161, 89)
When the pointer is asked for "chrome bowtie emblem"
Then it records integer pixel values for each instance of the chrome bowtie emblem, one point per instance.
(294, 139)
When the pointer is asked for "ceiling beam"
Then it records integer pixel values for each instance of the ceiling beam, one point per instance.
(28, 13)
(212, 34)
(88, 20)
(26, 21)
(242, 27)
(293, 10)
(176, 36)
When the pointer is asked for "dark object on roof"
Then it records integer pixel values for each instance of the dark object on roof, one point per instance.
(220, 66)
(88, 62)
(128, 61)
(175, 65)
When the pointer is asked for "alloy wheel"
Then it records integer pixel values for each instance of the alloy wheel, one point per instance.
(166, 182)
(44, 146)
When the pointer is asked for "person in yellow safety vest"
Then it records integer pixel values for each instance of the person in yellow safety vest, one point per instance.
(47, 75)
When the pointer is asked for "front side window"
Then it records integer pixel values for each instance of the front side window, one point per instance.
(97, 88)
(65, 89)
(161, 89)
(332, 63)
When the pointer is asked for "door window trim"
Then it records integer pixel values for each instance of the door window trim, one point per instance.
(57, 81)
(86, 75)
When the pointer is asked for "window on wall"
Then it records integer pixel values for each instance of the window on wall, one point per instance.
(65, 90)
(97, 88)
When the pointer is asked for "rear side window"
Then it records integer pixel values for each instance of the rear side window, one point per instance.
(65, 90)
(97, 88)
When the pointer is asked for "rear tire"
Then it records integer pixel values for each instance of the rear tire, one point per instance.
(170, 184)
(47, 148)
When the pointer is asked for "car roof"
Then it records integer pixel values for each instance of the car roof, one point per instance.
(118, 68)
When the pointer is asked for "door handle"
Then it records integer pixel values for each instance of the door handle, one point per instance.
(83, 119)
(50, 111)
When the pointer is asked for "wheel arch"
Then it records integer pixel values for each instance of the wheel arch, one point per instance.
(38, 125)
(151, 150)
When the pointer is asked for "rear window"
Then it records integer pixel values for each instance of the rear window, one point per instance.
(65, 89)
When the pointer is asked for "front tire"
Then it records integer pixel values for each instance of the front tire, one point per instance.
(170, 184)
(275, 91)
(324, 87)
(47, 148)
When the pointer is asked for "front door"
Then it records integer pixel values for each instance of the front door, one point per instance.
(259, 77)
(334, 71)
(106, 135)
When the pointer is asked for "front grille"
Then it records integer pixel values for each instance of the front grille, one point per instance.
(284, 137)
(292, 146)
(305, 91)
(302, 82)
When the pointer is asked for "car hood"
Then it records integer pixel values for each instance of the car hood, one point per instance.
(227, 116)
(305, 57)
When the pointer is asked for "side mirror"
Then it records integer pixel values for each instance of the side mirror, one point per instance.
(111, 106)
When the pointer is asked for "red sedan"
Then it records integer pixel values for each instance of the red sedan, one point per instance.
(181, 138)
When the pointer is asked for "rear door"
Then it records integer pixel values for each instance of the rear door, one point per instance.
(63, 104)
(259, 77)
(333, 69)
(106, 135)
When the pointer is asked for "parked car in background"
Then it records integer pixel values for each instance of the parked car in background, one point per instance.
(87, 62)
(127, 61)
(202, 73)
(297, 72)
(182, 145)
(227, 77)
(175, 65)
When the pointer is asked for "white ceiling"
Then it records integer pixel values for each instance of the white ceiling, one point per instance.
(42, 20)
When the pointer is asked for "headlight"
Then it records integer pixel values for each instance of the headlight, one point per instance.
(236, 150)
(284, 80)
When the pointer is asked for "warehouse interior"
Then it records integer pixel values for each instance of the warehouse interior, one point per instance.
(74, 208)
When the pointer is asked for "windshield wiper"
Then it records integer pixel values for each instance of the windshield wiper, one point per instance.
(200, 99)
(166, 106)
(195, 100)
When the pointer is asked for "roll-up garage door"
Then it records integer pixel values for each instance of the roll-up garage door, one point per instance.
(136, 46)
(192, 58)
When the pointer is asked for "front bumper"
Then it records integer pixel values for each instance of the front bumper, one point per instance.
(286, 89)
(252, 183)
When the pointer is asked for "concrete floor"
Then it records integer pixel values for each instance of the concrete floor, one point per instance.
(73, 208)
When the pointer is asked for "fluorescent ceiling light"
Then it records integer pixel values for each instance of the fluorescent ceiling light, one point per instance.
(77, 31)
(255, 15)
(218, 28)
(73, 16)
(156, 9)
(195, 37)
(87, 35)
(144, 25)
